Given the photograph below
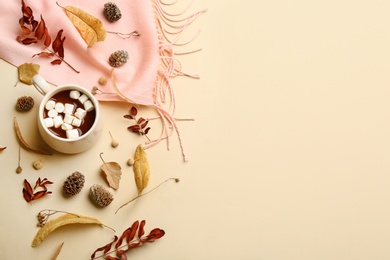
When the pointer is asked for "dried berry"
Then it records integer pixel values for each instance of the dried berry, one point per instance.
(38, 164)
(102, 80)
(118, 58)
(73, 184)
(24, 103)
(100, 196)
(112, 12)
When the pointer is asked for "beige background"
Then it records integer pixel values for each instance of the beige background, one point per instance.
(288, 153)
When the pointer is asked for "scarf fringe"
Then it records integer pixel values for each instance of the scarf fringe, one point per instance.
(168, 26)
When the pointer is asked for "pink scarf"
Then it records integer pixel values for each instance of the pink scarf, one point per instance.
(145, 79)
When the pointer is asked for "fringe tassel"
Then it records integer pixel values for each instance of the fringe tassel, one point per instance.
(170, 67)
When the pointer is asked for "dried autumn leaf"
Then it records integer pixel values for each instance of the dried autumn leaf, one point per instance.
(90, 28)
(141, 169)
(2, 148)
(66, 219)
(58, 251)
(26, 71)
(24, 143)
(112, 171)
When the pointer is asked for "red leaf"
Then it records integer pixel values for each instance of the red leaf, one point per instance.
(43, 54)
(146, 131)
(57, 44)
(28, 187)
(39, 194)
(27, 197)
(134, 128)
(141, 230)
(47, 38)
(37, 183)
(105, 248)
(34, 24)
(25, 29)
(56, 62)
(133, 232)
(40, 31)
(144, 124)
(141, 120)
(133, 111)
(111, 258)
(27, 11)
(155, 234)
(128, 116)
(28, 41)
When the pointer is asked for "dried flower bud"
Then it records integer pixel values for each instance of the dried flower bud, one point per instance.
(112, 12)
(118, 58)
(130, 162)
(24, 103)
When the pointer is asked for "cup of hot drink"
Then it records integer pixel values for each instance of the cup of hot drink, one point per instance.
(69, 118)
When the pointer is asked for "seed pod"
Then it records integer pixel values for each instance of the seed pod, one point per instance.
(100, 196)
(73, 184)
(24, 103)
(112, 12)
(118, 58)
(102, 80)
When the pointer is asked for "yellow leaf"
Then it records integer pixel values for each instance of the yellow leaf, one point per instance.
(90, 28)
(63, 220)
(26, 71)
(141, 169)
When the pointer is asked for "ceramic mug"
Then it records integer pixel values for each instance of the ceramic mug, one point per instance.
(79, 130)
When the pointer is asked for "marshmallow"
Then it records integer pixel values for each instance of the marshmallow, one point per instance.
(58, 121)
(48, 122)
(52, 113)
(66, 126)
(72, 133)
(68, 119)
(50, 104)
(83, 98)
(68, 108)
(80, 113)
(76, 122)
(88, 105)
(59, 107)
(74, 94)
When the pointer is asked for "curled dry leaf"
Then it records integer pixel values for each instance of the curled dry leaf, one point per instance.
(141, 169)
(90, 28)
(24, 143)
(112, 171)
(2, 148)
(26, 71)
(66, 219)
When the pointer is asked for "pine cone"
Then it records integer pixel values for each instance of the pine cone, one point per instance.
(100, 196)
(112, 12)
(24, 103)
(118, 58)
(73, 184)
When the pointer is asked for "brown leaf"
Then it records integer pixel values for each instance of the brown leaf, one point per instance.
(25, 29)
(134, 128)
(58, 44)
(44, 54)
(133, 111)
(112, 171)
(155, 234)
(26, 71)
(24, 143)
(27, 197)
(28, 187)
(28, 41)
(2, 148)
(56, 62)
(47, 38)
(40, 31)
(90, 28)
(26, 10)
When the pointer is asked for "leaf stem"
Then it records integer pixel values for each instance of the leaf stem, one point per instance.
(140, 195)
(62, 59)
